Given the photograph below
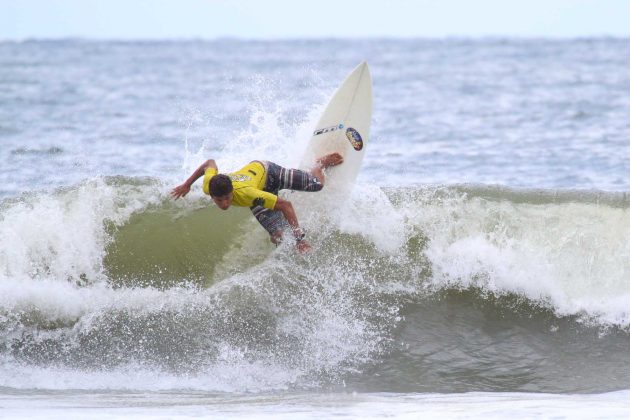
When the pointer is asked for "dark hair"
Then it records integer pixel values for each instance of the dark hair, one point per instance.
(220, 185)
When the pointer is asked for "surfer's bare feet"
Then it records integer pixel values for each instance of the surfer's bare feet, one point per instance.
(332, 159)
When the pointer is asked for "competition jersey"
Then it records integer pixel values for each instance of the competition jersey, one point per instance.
(248, 183)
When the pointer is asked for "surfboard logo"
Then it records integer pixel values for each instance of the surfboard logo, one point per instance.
(355, 138)
(327, 129)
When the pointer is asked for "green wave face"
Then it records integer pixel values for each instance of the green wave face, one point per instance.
(162, 247)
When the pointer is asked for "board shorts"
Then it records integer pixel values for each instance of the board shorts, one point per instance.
(279, 178)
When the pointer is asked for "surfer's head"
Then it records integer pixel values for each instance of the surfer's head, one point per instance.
(221, 191)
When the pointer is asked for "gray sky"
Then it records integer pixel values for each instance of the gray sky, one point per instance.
(208, 19)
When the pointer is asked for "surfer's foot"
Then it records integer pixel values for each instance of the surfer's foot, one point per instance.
(332, 159)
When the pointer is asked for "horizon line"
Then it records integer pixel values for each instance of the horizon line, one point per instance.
(511, 37)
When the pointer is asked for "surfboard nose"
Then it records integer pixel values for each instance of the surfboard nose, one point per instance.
(367, 72)
(363, 66)
(362, 71)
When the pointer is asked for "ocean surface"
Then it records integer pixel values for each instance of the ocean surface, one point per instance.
(480, 267)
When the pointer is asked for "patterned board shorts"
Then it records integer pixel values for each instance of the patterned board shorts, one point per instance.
(279, 178)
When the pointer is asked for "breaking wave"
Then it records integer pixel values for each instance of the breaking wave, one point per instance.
(111, 284)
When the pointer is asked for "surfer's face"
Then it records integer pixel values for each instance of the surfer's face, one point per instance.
(224, 201)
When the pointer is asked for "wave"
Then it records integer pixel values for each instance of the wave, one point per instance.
(564, 249)
(112, 275)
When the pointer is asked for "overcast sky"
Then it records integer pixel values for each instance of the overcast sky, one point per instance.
(263, 19)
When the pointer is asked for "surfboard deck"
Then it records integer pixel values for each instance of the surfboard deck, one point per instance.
(344, 127)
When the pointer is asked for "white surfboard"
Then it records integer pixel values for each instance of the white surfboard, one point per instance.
(344, 127)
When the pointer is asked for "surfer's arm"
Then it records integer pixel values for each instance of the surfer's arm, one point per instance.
(286, 208)
(182, 190)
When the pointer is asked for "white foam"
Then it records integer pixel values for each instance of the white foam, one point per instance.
(369, 213)
(499, 405)
(62, 235)
(571, 256)
(231, 372)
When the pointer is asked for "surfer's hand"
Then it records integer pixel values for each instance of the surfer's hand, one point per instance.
(180, 191)
(303, 247)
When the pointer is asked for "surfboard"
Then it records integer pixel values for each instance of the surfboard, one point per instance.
(344, 127)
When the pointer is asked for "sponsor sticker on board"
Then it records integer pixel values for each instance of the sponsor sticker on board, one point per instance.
(328, 129)
(355, 138)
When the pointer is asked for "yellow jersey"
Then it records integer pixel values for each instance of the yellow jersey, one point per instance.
(248, 183)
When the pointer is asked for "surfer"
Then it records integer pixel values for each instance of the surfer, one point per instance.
(256, 186)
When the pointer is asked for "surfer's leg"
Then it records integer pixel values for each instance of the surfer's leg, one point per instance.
(298, 180)
(273, 221)
(280, 178)
(313, 180)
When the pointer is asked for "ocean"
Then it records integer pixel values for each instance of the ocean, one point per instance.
(480, 267)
